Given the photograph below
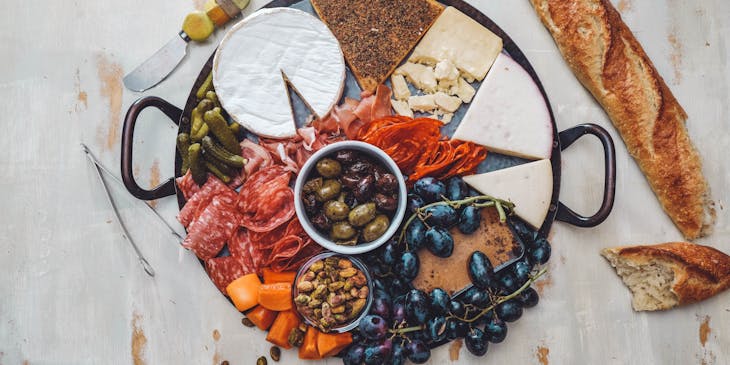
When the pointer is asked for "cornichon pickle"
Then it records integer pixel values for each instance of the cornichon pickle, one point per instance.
(219, 127)
(221, 154)
(183, 143)
(200, 133)
(212, 96)
(217, 172)
(197, 115)
(197, 166)
(225, 169)
(205, 87)
(235, 128)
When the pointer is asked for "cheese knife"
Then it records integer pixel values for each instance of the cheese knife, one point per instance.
(197, 26)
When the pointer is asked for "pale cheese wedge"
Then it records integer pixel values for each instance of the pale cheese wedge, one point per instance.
(508, 114)
(261, 53)
(529, 186)
(456, 37)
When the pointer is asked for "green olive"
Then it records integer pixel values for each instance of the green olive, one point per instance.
(376, 228)
(336, 210)
(329, 190)
(312, 185)
(342, 231)
(361, 214)
(329, 168)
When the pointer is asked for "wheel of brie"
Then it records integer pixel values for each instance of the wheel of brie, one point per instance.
(261, 54)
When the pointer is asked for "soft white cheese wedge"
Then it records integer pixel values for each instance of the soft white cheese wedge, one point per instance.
(456, 37)
(529, 186)
(508, 114)
(254, 55)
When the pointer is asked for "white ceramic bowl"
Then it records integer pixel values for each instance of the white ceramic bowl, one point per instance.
(376, 154)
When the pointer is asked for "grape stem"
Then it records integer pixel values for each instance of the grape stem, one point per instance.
(400, 331)
(501, 300)
(480, 201)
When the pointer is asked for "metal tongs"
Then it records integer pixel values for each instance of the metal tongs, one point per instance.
(98, 167)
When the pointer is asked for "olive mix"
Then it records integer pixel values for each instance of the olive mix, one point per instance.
(350, 198)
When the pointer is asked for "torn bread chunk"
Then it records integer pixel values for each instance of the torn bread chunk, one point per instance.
(666, 275)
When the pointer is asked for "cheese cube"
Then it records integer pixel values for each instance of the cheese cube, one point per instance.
(464, 91)
(421, 76)
(400, 88)
(445, 71)
(422, 103)
(456, 37)
(401, 108)
(446, 118)
(446, 102)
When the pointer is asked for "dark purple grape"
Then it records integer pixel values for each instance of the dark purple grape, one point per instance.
(418, 352)
(495, 330)
(414, 202)
(509, 311)
(391, 253)
(373, 327)
(481, 272)
(540, 254)
(399, 286)
(439, 242)
(398, 312)
(441, 215)
(456, 188)
(476, 297)
(525, 233)
(399, 355)
(416, 235)
(417, 306)
(455, 329)
(429, 189)
(437, 329)
(408, 266)
(528, 298)
(508, 282)
(378, 354)
(354, 355)
(379, 285)
(475, 342)
(469, 220)
(521, 269)
(440, 301)
(381, 307)
(379, 269)
(457, 308)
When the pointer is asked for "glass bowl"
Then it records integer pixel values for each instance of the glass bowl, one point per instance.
(357, 264)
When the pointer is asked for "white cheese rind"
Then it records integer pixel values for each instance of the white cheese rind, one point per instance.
(456, 37)
(248, 66)
(508, 114)
(529, 186)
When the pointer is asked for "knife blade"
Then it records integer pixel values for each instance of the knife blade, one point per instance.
(159, 66)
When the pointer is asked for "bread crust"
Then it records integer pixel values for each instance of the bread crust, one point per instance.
(700, 271)
(611, 64)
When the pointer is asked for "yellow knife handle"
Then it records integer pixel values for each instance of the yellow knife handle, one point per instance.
(199, 25)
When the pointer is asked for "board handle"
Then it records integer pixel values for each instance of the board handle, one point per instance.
(567, 137)
(130, 120)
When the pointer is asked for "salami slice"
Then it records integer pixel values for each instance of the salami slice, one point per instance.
(266, 201)
(214, 226)
(223, 270)
(291, 252)
(187, 185)
(239, 245)
(202, 198)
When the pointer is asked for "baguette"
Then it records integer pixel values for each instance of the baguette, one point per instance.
(666, 275)
(610, 63)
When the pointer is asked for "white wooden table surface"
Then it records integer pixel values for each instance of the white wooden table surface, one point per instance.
(72, 292)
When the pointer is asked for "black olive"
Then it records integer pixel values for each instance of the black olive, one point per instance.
(321, 222)
(360, 167)
(311, 205)
(365, 188)
(387, 183)
(345, 156)
(350, 180)
(385, 203)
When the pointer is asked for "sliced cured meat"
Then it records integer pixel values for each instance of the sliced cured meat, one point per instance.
(201, 198)
(223, 270)
(239, 245)
(257, 156)
(266, 201)
(213, 227)
(291, 252)
(381, 105)
(187, 185)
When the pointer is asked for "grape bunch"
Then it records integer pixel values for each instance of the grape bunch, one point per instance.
(404, 323)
